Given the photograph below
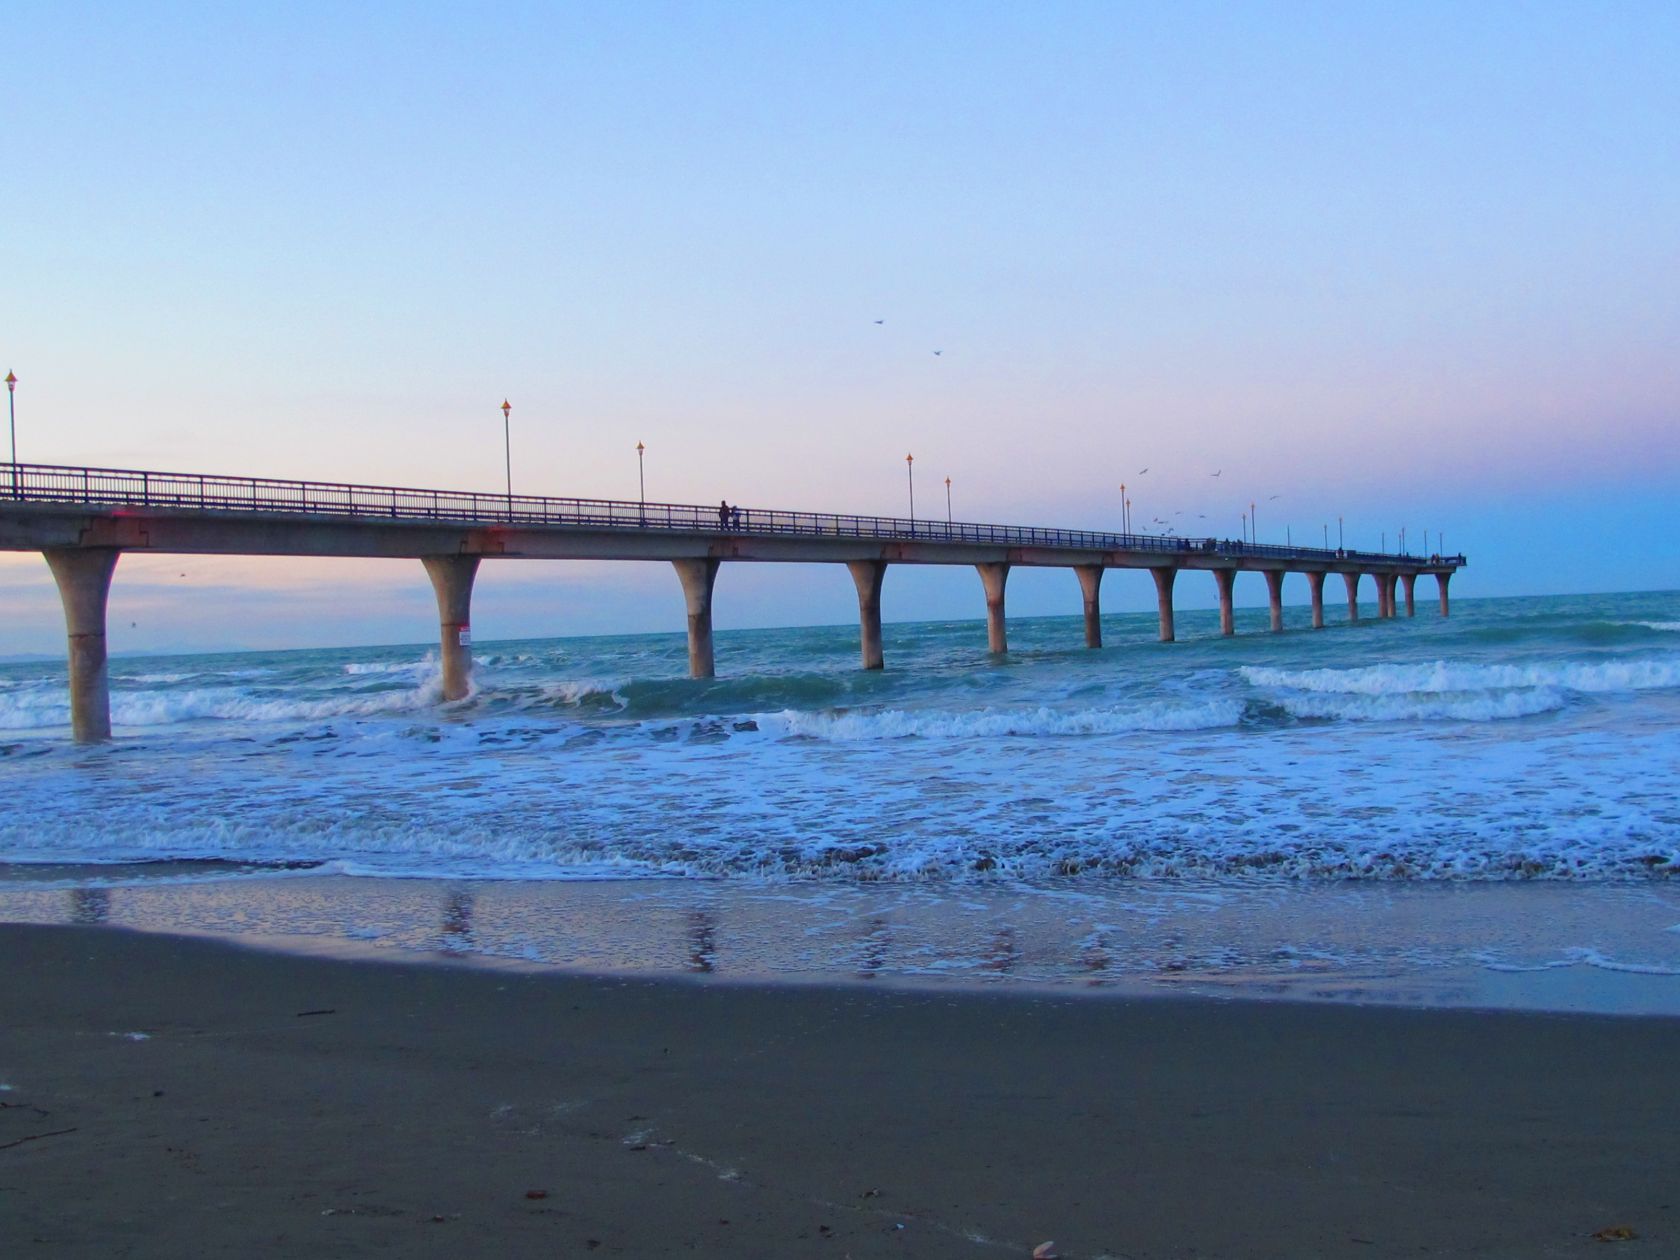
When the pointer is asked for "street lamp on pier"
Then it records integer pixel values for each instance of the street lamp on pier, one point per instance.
(1253, 525)
(1125, 516)
(1340, 545)
(947, 500)
(11, 409)
(507, 452)
(910, 472)
(641, 481)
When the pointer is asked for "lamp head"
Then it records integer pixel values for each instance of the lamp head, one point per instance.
(640, 448)
(909, 459)
(11, 383)
(506, 407)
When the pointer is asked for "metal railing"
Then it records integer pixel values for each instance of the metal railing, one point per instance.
(113, 488)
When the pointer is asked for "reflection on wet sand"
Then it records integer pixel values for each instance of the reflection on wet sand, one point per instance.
(702, 941)
(90, 905)
(458, 922)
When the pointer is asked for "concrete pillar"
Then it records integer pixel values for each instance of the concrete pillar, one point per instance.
(1226, 579)
(1090, 579)
(1409, 580)
(1441, 580)
(992, 577)
(697, 577)
(1352, 580)
(452, 582)
(868, 574)
(1164, 579)
(1316, 581)
(1274, 597)
(1382, 594)
(1388, 583)
(84, 583)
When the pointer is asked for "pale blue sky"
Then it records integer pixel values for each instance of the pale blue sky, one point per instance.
(1414, 264)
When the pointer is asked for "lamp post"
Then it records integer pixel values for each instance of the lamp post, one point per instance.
(1340, 545)
(947, 500)
(11, 408)
(507, 452)
(1253, 525)
(1245, 528)
(1125, 516)
(910, 472)
(641, 481)
(1327, 535)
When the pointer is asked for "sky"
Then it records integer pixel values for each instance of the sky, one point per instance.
(1413, 265)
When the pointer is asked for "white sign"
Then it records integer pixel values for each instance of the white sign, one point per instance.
(466, 637)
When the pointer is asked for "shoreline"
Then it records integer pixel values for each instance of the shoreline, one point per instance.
(1608, 949)
(215, 1099)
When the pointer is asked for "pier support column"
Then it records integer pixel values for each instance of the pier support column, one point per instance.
(697, 577)
(1441, 580)
(1390, 583)
(1408, 581)
(1227, 620)
(84, 584)
(1274, 597)
(1164, 579)
(992, 577)
(452, 582)
(868, 574)
(1316, 581)
(1352, 580)
(1090, 579)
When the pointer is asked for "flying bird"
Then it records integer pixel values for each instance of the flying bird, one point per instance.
(1141, 471)
(937, 352)
(880, 321)
(1275, 496)
(1216, 473)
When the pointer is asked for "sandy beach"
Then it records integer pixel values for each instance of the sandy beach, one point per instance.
(167, 1096)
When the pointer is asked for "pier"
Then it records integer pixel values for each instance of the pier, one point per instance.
(83, 519)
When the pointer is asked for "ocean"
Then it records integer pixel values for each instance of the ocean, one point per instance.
(1334, 812)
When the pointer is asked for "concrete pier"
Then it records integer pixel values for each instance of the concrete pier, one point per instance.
(1164, 579)
(1090, 582)
(1391, 584)
(868, 575)
(1227, 618)
(84, 586)
(1408, 581)
(1441, 579)
(452, 582)
(698, 577)
(1383, 610)
(1274, 597)
(993, 577)
(1352, 582)
(1316, 582)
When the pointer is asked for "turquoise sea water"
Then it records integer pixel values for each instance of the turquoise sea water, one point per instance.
(1521, 742)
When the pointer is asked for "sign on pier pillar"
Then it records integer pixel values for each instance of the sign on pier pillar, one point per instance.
(452, 583)
(993, 577)
(868, 575)
(1164, 579)
(1227, 619)
(1090, 582)
(697, 577)
(84, 585)
(1274, 594)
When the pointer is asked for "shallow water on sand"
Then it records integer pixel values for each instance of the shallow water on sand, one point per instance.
(1529, 742)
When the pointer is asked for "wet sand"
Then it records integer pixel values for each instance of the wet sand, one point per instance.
(176, 1097)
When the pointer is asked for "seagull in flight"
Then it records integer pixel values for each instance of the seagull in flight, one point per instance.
(1141, 471)
(938, 352)
(1275, 496)
(1215, 474)
(880, 321)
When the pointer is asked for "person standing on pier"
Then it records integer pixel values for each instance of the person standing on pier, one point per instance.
(723, 514)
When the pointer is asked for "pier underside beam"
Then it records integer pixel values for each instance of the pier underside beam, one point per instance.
(1164, 579)
(697, 578)
(452, 582)
(1316, 582)
(1227, 619)
(993, 577)
(84, 586)
(1352, 581)
(1409, 582)
(1090, 582)
(1274, 597)
(868, 575)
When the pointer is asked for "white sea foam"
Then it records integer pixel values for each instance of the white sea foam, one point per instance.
(1671, 626)
(1454, 677)
(1425, 706)
(49, 707)
(993, 723)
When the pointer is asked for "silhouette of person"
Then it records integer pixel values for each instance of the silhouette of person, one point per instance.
(735, 517)
(723, 514)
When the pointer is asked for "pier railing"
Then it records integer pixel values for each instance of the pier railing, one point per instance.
(207, 492)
